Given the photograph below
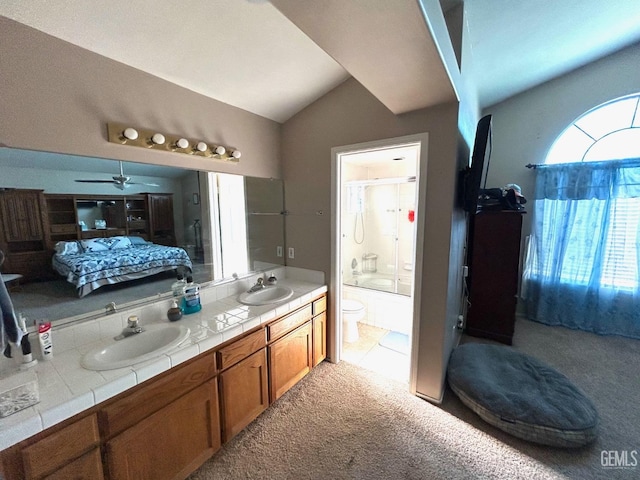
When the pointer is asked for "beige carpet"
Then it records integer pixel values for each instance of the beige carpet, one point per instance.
(344, 422)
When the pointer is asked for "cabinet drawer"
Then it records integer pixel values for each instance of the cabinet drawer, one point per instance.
(60, 448)
(289, 322)
(139, 224)
(132, 408)
(87, 466)
(319, 306)
(241, 349)
(64, 228)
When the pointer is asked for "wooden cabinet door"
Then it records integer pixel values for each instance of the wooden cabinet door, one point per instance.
(319, 338)
(493, 275)
(55, 456)
(22, 216)
(244, 393)
(161, 219)
(290, 359)
(171, 443)
(161, 212)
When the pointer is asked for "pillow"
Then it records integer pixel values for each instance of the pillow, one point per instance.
(105, 244)
(138, 241)
(68, 248)
(522, 395)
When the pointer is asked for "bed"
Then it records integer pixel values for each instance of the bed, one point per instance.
(93, 263)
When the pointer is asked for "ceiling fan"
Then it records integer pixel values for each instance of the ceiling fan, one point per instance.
(120, 181)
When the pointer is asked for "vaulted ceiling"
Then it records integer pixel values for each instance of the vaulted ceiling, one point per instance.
(275, 58)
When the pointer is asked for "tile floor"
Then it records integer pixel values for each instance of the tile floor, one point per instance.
(368, 354)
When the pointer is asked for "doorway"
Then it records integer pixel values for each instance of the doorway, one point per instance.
(377, 252)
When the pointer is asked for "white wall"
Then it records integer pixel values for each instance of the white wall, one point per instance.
(525, 126)
(57, 97)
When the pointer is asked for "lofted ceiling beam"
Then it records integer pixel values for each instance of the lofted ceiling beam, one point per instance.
(385, 45)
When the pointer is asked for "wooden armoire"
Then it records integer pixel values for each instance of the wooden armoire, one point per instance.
(494, 260)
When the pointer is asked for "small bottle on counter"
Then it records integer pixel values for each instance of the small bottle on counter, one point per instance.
(272, 280)
(178, 286)
(191, 297)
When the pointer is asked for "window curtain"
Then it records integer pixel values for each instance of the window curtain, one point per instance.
(582, 264)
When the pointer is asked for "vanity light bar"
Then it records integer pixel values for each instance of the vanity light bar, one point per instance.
(137, 137)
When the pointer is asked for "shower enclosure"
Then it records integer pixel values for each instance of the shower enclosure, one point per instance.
(378, 234)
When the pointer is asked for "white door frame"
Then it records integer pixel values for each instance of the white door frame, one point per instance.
(335, 282)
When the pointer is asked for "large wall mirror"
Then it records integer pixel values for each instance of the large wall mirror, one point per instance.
(227, 224)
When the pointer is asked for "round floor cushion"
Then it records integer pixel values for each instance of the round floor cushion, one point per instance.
(521, 395)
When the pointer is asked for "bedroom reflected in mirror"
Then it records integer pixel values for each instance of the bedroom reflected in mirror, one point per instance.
(83, 236)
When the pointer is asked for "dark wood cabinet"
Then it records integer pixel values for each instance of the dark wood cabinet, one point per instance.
(32, 222)
(23, 228)
(494, 258)
(162, 224)
(22, 215)
(123, 214)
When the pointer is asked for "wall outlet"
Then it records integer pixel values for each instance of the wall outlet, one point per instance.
(291, 252)
(279, 251)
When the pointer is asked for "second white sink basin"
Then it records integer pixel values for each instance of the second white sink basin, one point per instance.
(156, 340)
(267, 295)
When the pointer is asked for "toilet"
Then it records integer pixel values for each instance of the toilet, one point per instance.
(352, 312)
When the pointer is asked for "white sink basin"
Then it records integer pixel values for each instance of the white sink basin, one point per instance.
(266, 295)
(156, 340)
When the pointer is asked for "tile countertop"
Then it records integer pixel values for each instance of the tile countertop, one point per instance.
(67, 389)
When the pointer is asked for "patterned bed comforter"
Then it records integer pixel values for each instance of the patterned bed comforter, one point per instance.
(90, 270)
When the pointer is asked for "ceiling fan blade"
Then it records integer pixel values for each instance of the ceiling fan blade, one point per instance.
(147, 184)
(95, 181)
(120, 181)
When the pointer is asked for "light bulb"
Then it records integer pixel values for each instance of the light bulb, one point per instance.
(182, 143)
(236, 154)
(158, 139)
(201, 147)
(220, 150)
(130, 133)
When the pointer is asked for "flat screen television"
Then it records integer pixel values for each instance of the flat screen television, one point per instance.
(475, 177)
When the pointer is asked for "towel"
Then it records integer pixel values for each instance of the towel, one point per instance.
(10, 328)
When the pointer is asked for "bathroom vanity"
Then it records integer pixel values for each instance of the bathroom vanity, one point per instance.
(170, 424)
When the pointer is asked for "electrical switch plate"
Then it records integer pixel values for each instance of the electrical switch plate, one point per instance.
(291, 252)
(279, 251)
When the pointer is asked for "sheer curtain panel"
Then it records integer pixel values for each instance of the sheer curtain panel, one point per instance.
(582, 265)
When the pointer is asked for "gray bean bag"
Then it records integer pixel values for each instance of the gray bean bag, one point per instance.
(521, 395)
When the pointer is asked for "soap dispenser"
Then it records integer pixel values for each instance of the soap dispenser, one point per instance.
(175, 312)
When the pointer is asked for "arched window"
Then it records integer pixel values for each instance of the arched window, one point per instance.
(608, 132)
(583, 263)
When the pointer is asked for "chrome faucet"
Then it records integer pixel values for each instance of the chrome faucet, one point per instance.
(111, 307)
(133, 327)
(258, 286)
